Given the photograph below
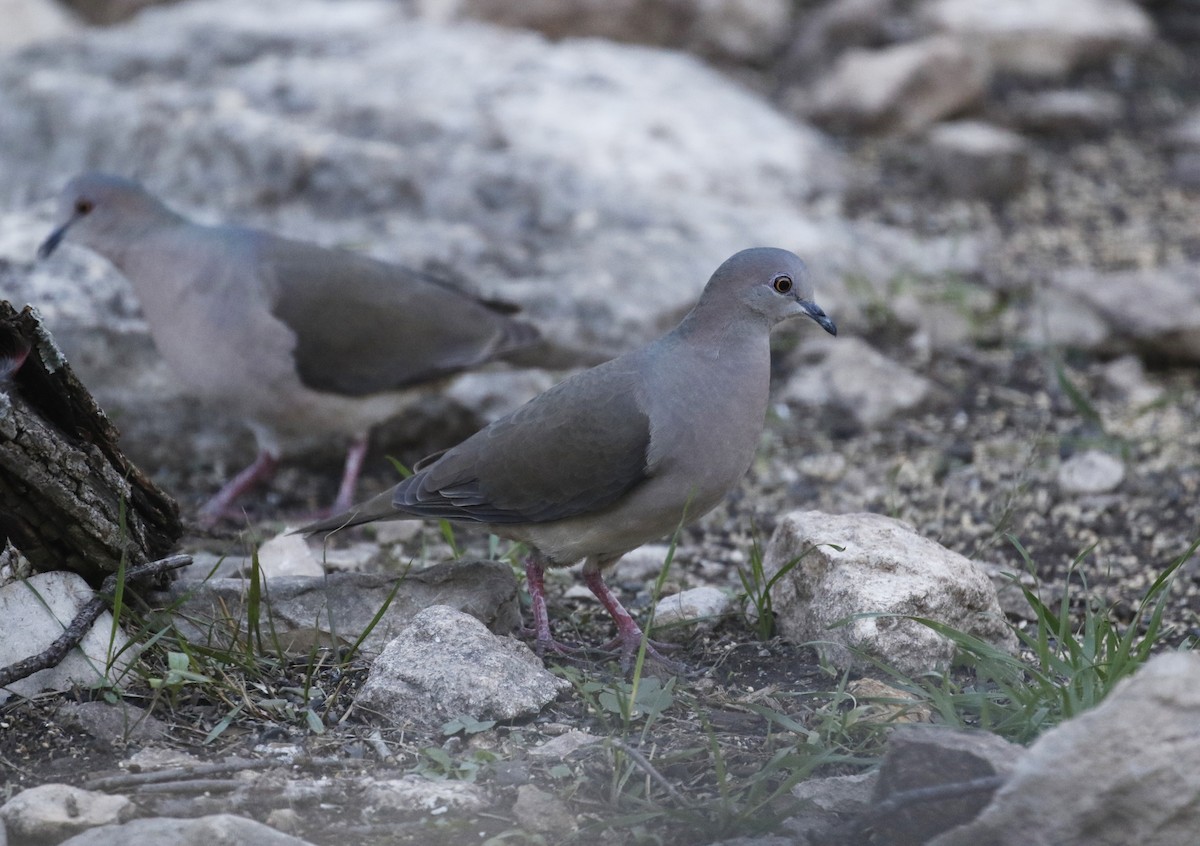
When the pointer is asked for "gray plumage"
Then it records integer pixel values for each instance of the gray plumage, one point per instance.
(303, 342)
(623, 453)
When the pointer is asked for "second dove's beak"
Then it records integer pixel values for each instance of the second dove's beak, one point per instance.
(55, 238)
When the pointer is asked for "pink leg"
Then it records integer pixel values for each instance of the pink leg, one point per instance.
(629, 633)
(10, 363)
(354, 462)
(220, 505)
(543, 640)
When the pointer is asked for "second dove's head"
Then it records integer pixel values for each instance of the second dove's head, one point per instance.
(104, 212)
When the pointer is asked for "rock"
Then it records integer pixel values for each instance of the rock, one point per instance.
(838, 794)
(286, 820)
(925, 757)
(853, 378)
(35, 611)
(1044, 38)
(446, 664)
(1183, 144)
(642, 564)
(1126, 377)
(886, 705)
(50, 813)
(680, 616)
(558, 748)
(415, 793)
(900, 89)
(303, 611)
(113, 725)
(976, 160)
(158, 758)
(1155, 313)
(537, 810)
(29, 21)
(1065, 111)
(741, 30)
(493, 394)
(1091, 472)
(884, 569)
(831, 28)
(825, 803)
(286, 554)
(1123, 772)
(213, 830)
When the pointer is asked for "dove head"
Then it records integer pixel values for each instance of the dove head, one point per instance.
(767, 283)
(104, 213)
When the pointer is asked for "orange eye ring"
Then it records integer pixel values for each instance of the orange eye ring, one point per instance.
(782, 284)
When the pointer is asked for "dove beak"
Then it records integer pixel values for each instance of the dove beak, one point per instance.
(817, 313)
(51, 243)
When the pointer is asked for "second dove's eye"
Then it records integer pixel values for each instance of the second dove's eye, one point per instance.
(84, 206)
(782, 284)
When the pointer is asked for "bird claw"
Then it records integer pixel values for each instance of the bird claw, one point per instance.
(628, 644)
(543, 643)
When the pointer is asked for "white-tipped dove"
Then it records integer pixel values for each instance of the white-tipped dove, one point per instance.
(623, 453)
(304, 343)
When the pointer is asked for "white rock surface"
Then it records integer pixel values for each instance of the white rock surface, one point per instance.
(415, 793)
(642, 564)
(1044, 38)
(1151, 312)
(854, 378)
(35, 611)
(1124, 772)
(287, 555)
(903, 88)
(446, 664)
(681, 615)
(30, 21)
(885, 570)
(1091, 472)
(50, 813)
(214, 830)
(1066, 111)
(558, 748)
(970, 158)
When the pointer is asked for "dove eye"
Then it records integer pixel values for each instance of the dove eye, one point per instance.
(782, 284)
(84, 206)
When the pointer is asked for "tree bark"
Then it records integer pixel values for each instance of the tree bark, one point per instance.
(69, 498)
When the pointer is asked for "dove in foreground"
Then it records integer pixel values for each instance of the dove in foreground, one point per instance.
(624, 453)
(302, 342)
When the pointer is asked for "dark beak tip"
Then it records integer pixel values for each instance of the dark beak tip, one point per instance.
(53, 240)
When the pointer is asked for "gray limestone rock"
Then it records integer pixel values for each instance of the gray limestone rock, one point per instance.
(445, 665)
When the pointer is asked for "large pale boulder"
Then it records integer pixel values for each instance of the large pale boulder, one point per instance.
(1124, 772)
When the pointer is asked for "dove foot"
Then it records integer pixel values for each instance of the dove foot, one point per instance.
(220, 506)
(629, 633)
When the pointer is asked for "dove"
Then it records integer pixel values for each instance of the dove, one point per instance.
(623, 453)
(302, 342)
